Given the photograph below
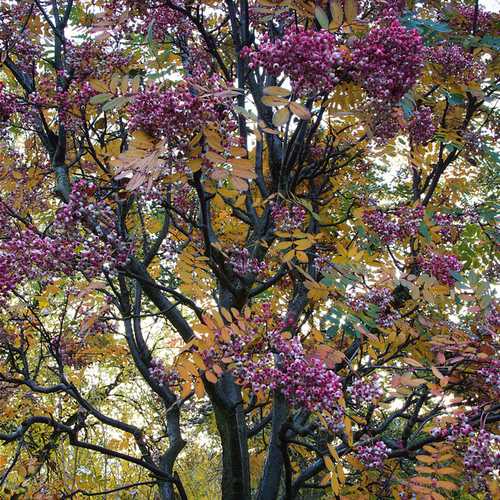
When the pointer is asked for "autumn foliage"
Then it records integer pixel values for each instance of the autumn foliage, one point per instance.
(248, 249)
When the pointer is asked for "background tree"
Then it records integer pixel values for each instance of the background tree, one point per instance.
(248, 249)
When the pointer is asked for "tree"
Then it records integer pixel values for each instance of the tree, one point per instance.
(248, 249)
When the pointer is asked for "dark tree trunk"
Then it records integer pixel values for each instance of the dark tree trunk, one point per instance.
(230, 419)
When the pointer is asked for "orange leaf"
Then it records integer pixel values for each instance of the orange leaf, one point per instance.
(211, 377)
(447, 485)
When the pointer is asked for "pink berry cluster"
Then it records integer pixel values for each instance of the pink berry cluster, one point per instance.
(380, 297)
(464, 19)
(93, 59)
(311, 59)
(267, 359)
(409, 220)
(388, 61)
(440, 266)
(389, 9)
(452, 433)
(491, 375)
(101, 249)
(380, 223)
(493, 316)
(166, 22)
(373, 456)
(455, 62)
(306, 383)
(9, 276)
(243, 263)
(16, 37)
(173, 114)
(365, 391)
(19, 44)
(287, 218)
(480, 456)
(447, 225)
(69, 248)
(387, 120)
(184, 199)
(159, 373)
(406, 224)
(33, 252)
(421, 127)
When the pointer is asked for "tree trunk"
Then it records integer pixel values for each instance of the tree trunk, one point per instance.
(271, 479)
(230, 419)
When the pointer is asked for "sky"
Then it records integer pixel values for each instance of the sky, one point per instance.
(493, 5)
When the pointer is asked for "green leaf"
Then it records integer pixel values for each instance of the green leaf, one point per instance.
(116, 103)
(407, 104)
(424, 231)
(100, 98)
(490, 41)
(321, 17)
(455, 99)
(246, 113)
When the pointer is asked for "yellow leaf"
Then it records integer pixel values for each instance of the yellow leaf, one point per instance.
(340, 473)
(242, 163)
(98, 85)
(302, 257)
(351, 10)
(335, 485)
(302, 244)
(215, 157)
(333, 452)
(348, 430)
(237, 151)
(195, 165)
(199, 390)
(186, 389)
(283, 244)
(337, 15)
(423, 469)
(281, 117)
(289, 256)
(115, 80)
(124, 85)
(226, 314)
(328, 463)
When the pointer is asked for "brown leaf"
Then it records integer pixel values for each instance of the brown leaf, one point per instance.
(299, 110)
(269, 100)
(277, 91)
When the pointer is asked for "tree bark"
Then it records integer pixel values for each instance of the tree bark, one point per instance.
(271, 479)
(230, 419)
